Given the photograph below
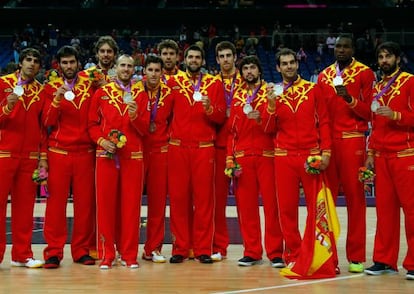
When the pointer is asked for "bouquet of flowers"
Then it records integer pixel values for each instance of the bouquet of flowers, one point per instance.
(51, 75)
(233, 169)
(96, 75)
(312, 164)
(40, 175)
(365, 174)
(119, 139)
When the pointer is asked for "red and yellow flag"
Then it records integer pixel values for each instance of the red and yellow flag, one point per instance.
(318, 257)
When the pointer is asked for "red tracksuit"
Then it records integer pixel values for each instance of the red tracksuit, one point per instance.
(191, 161)
(20, 140)
(71, 161)
(155, 158)
(222, 182)
(349, 123)
(118, 189)
(301, 126)
(253, 150)
(392, 142)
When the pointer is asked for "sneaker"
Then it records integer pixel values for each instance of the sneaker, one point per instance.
(106, 264)
(29, 263)
(379, 268)
(155, 257)
(355, 267)
(217, 256)
(52, 262)
(86, 260)
(204, 258)
(410, 275)
(177, 258)
(130, 264)
(277, 262)
(248, 261)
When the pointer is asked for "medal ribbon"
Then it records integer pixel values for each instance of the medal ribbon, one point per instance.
(287, 86)
(254, 93)
(21, 82)
(71, 84)
(124, 88)
(229, 95)
(196, 88)
(154, 107)
(338, 71)
(387, 86)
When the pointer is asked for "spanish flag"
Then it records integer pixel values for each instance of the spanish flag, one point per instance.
(318, 257)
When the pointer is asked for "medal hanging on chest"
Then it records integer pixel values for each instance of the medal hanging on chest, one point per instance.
(18, 90)
(69, 95)
(197, 96)
(375, 105)
(247, 108)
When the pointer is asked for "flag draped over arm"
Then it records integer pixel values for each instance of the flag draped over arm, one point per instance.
(318, 256)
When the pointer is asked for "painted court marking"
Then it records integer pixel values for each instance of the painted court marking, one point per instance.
(292, 285)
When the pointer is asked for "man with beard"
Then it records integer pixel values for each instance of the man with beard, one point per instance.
(71, 159)
(117, 124)
(106, 50)
(347, 86)
(391, 153)
(169, 52)
(158, 96)
(198, 107)
(250, 147)
(21, 153)
(230, 78)
(299, 122)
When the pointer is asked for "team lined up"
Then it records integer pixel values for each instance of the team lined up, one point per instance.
(182, 129)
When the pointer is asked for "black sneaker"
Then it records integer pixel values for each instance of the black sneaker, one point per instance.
(410, 275)
(379, 268)
(86, 260)
(52, 262)
(248, 261)
(277, 262)
(177, 259)
(204, 259)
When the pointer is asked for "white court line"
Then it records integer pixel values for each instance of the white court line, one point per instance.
(292, 285)
(298, 284)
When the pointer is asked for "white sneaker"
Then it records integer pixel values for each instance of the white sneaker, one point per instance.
(157, 257)
(29, 263)
(132, 264)
(216, 256)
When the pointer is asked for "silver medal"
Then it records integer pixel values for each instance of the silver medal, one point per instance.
(127, 97)
(374, 106)
(112, 73)
(69, 95)
(247, 108)
(338, 81)
(197, 96)
(18, 90)
(278, 90)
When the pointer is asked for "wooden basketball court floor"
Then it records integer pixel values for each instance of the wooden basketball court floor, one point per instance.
(193, 277)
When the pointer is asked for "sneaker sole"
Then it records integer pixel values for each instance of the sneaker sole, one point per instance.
(241, 263)
(278, 265)
(378, 273)
(21, 264)
(409, 277)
